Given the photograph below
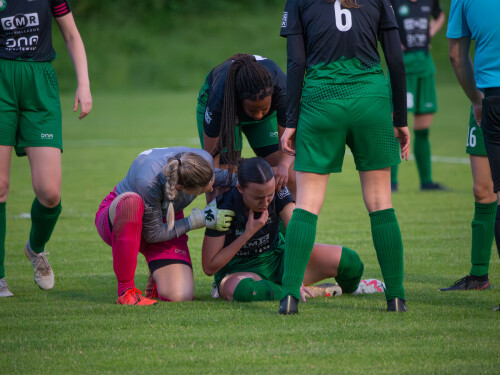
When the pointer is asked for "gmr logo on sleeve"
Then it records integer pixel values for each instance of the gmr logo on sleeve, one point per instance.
(20, 21)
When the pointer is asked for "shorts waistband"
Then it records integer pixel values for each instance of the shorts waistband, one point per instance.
(492, 91)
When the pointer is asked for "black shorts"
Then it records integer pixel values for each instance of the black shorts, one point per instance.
(490, 124)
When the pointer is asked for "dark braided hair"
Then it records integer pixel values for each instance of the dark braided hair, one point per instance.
(255, 170)
(246, 79)
(347, 3)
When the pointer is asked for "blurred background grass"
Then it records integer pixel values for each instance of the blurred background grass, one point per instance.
(172, 44)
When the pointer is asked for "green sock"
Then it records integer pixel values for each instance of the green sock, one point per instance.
(43, 221)
(249, 290)
(349, 271)
(423, 155)
(3, 230)
(483, 231)
(394, 174)
(389, 247)
(300, 235)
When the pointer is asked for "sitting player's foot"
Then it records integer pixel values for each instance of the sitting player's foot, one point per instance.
(394, 187)
(325, 290)
(133, 296)
(468, 282)
(396, 304)
(4, 289)
(151, 291)
(433, 186)
(215, 291)
(370, 286)
(289, 305)
(44, 277)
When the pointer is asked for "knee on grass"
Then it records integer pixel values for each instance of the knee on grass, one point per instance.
(349, 271)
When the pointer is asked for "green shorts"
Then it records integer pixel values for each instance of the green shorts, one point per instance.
(363, 124)
(30, 105)
(420, 84)
(268, 265)
(260, 134)
(475, 139)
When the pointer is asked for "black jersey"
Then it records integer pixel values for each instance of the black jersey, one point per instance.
(332, 32)
(26, 28)
(267, 237)
(217, 80)
(413, 20)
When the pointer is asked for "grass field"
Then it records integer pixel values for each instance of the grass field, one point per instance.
(78, 328)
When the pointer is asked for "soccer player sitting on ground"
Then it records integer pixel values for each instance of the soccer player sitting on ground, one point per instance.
(247, 260)
(245, 93)
(144, 214)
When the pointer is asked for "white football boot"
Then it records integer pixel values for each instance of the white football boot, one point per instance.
(370, 286)
(44, 277)
(4, 289)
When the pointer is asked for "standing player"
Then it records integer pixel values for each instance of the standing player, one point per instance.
(245, 93)
(416, 28)
(338, 96)
(144, 213)
(481, 83)
(30, 116)
(247, 260)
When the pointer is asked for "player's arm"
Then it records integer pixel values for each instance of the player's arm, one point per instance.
(214, 255)
(464, 70)
(286, 213)
(76, 50)
(436, 24)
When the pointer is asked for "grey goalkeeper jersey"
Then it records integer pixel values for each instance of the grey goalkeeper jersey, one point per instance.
(145, 177)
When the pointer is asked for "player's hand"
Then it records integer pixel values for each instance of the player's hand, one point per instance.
(403, 136)
(280, 176)
(288, 141)
(304, 290)
(477, 110)
(216, 218)
(84, 98)
(253, 223)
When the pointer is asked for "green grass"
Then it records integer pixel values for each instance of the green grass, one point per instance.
(77, 328)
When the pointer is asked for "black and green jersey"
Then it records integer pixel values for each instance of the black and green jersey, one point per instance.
(413, 20)
(26, 28)
(266, 238)
(333, 32)
(216, 81)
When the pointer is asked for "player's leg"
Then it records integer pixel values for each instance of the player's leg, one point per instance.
(411, 94)
(174, 282)
(248, 287)
(485, 208)
(5, 158)
(375, 149)
(125, 214)
(45, 163)
(491, 126)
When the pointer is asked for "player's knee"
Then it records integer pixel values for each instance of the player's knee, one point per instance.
(483, 192)
(175, 295)
(4, 188)
(129, 207)
(350, 270)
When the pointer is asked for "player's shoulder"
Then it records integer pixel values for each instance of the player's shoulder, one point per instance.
(228, 200)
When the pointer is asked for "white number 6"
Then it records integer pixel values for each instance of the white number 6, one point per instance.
(339, 12)
(472, 138)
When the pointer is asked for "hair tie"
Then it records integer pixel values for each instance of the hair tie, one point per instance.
(179, 160)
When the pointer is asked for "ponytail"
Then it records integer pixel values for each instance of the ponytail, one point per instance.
(245, 79)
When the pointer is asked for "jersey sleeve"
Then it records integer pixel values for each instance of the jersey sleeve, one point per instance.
(279, 98)
(387, 16)
(457, 23)
(213, 115)
(436, 9)
(60, 8)
(290, 23)
(283, 198)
